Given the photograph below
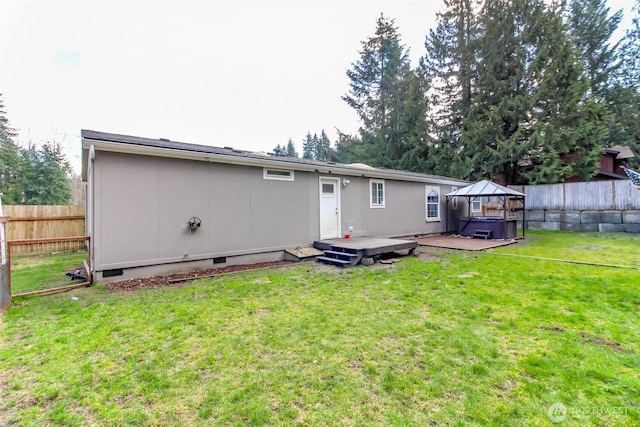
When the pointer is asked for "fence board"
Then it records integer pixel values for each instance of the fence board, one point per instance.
(582, 196)
(627, 196)
(544, 196)
(43, 222)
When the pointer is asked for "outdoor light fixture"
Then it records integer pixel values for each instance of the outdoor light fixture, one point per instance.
(345, 182)
(194, 223)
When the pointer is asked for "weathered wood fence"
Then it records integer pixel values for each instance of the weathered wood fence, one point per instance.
(44, 222)
(30, 222)
(583, 206)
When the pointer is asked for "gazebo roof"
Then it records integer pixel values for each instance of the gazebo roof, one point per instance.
(485, 189)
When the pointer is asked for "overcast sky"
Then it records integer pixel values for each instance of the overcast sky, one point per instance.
(246, 74)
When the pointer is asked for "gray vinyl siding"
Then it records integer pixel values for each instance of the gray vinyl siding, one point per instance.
(143, 203)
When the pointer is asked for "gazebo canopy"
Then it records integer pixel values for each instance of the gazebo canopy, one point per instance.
(484, 189)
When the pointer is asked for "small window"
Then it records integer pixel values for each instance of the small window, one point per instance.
(278, 174)
(432, 196)
(328, 189)
(377, 193)
(476, 205)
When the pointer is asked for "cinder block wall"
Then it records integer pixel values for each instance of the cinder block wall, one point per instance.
(587, 220)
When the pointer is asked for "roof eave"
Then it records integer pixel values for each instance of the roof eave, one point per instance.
(119, 147)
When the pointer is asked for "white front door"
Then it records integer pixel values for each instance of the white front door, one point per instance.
(329, 208)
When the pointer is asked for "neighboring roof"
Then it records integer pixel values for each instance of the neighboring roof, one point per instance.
(623, 152)
(102, 141)
(485, 189)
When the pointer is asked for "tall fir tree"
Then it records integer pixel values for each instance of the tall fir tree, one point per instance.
(623, 98)
(592, 29)
(449, 68)
(309, 147)
(629, 71)
(11, 164)
(530, 118)
(47, 175)
(568, 128)
(323, 147)
(375, 93)
(494, 139)
(291, 149)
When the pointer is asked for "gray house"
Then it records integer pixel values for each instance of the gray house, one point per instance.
(155, 205)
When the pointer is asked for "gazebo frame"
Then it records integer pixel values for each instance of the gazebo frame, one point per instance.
(489, 189)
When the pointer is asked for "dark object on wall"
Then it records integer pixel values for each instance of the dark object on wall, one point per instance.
(194, 223)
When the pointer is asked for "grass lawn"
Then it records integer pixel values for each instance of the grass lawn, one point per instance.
(459, 339)
(36, 272)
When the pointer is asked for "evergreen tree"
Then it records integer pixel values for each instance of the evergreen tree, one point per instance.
(47, 175)
(623, 98)
(375, 92)
(291, 149)
(449, 69)
(349, 149)
(494, 139)
(11, 165)
(530, 119)
(568, 130)
(413, 133)
(629, 70)
(592, 29)
(323, 147)
(309, 147)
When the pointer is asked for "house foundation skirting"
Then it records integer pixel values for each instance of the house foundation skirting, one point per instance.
(582, 220)
(185, 266)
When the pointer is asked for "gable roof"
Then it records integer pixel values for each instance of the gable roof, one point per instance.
(103, 141)
(485, 189)
(622, 152)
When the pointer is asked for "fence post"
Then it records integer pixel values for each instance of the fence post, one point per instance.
(5, 286)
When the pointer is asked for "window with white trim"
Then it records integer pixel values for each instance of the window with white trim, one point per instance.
(476, 205)
(278, 174)
(432, 197)
(376, 195)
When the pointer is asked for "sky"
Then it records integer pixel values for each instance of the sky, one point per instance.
(244, 74)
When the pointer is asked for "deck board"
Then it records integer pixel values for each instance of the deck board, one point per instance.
(369, 246)
(464, 243)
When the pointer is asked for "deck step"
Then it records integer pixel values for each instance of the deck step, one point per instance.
(334, 261)
(482, 234)
(348, 256)
(343, 250)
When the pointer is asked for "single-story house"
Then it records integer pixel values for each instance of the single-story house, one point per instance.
(155, 205)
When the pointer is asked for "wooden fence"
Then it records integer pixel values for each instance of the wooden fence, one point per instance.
(619, 195)
(44, 222)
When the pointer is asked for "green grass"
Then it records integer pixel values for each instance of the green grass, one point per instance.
(462, 339)
(35, 272)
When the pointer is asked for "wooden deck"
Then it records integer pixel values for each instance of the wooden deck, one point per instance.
(348, 252)
(463, 243)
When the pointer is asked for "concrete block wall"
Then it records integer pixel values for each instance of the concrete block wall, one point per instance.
(587, 220)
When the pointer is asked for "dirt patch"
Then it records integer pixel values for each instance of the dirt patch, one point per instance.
(553, 328)
(601, 341)
(172, 279)
(616, 346)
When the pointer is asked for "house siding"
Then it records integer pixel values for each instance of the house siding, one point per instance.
(140, 205)
(143, 203)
